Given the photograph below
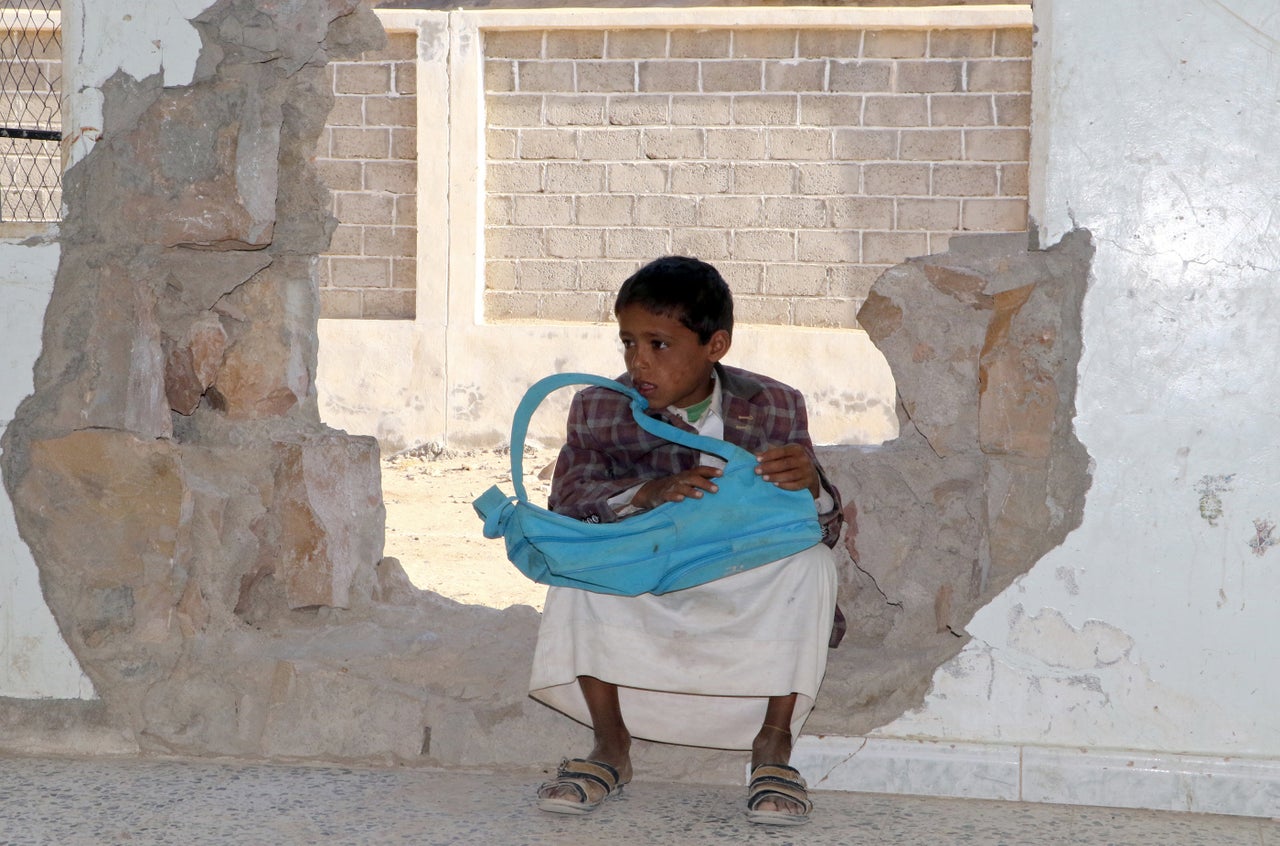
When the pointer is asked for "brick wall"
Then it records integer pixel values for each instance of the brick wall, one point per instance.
(367, 156)
(801, 162)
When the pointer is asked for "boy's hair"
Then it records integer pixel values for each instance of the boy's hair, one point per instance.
(683, 288)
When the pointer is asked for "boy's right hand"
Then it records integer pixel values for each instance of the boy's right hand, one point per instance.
(675, 488)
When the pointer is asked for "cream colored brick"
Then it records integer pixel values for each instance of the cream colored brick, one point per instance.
(895, 44)
(543, 210)
(996, 215)
(666, 75)
(404, 144)
(387, 305)
(826, 313)
(497, 210)
(1013, 109)
(573, 177)
(765, 109)
(547, 275)
(673, 143)
(795, 280)
(961, 110)
(346, 241)
(895, 110)
(636, 243)
(501, 143)
(929, 76)
(512, 242)
(961, 43)
(701, 110)
(798, 144)
(406, 78)
(927, 214)
(859, 75)
(955, 180)
(636, 44)
(348, 110)
(548, 144)
(831, 109)
(574, 44)
(707, 244)
(764, 44)
(500, 275)
(866, 145)
(576, 307)
(761, 311)
(699, 177)
(795, 212)
(513, 177)
(404, 272)
(390, 241)
(510, 305)
(764, 178)
(406, 210)
(743, 277)
(342, 305)
(359, 272)
(730, 212)
(513, 45)
(860, 212)
(604, 210)
(354, 143)
(736, 144)
(363, 208)
(612, 144)
(513, 109)
(763, 245)
(804, 75)
(637, 178)
(895, 180)
(829, 44)
(606, 276)
(574, 110)
(575, 242)
(665, 210)
(830, 178)
(1000, 75)
(700, 43)
(852, 281)
(1013, 180)
(639, 109)
(391, 111)
(499, 75)
(997, 145)
(341, 174)
(361, 78)
(923, 145)
(1013, 42)
(607, 76)
(731, 75)
(828, 245)
(537, 75)
(893, 247)
(392, 177)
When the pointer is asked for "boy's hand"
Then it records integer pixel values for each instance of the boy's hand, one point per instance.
(789, 467)
(675, 488)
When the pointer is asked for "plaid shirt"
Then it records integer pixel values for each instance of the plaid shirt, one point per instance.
(606, 453)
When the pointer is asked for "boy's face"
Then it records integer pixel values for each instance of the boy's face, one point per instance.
(666, 362)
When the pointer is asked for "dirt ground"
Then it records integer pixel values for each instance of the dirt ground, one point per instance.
(434, 531)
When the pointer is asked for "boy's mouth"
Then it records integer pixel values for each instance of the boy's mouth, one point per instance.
(645, 388)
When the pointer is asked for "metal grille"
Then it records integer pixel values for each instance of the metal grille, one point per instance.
(30, 116)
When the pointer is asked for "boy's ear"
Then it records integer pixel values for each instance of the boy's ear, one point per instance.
(719, 345)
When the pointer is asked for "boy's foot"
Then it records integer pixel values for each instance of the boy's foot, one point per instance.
(777, 796)
(580, 786)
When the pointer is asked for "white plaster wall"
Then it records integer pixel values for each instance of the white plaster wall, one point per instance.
(1156, 626)
(34, 659)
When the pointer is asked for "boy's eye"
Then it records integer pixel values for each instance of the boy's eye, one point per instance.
(659, 345)
(627, 343)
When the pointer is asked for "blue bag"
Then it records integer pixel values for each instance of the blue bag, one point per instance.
(747, 523)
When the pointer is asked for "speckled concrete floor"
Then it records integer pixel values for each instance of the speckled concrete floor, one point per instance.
(69, 802)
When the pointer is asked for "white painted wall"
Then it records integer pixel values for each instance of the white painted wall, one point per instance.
(1156, 626)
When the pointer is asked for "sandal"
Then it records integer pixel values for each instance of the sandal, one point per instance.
(578, 774)
(777, 781)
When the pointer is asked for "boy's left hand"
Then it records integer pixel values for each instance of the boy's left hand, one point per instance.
(789, 467)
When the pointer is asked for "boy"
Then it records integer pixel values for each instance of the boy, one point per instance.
(732, 664)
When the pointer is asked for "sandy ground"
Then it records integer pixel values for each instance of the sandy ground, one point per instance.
(435, 532)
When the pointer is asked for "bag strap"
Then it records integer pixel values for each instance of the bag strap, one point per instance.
(539, 390)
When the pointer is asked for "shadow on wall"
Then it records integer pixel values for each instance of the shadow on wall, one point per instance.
(212, 552)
